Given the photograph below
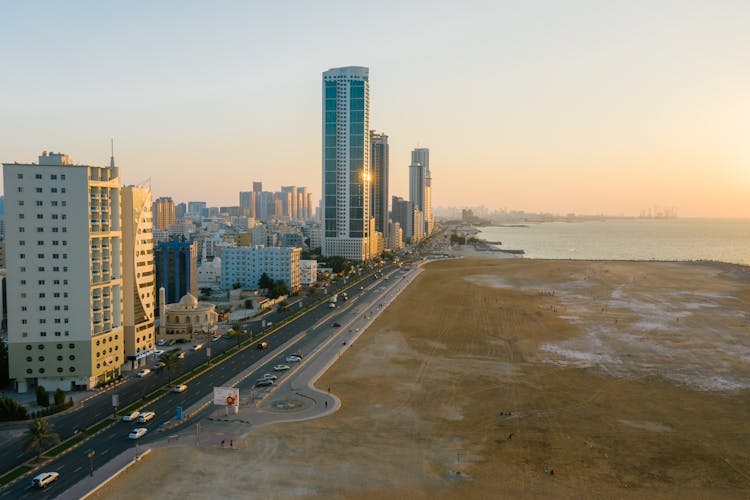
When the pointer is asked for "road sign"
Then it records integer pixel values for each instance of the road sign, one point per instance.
(179, 413)
(115, 400)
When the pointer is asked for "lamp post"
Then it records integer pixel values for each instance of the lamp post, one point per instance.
(91, 454)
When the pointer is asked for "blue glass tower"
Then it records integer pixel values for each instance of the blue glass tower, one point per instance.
(346, 162)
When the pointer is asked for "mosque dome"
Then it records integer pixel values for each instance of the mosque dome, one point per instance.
(189, 301)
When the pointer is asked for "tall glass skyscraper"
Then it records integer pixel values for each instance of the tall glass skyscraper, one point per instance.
(420, 185)
(346, 163)
(379, 182)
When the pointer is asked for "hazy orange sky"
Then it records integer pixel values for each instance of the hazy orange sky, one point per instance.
(586, 107)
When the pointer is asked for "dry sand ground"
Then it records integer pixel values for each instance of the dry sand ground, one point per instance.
(628, 380)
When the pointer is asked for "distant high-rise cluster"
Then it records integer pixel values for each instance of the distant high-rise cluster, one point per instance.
(291, 203)
(354, 206)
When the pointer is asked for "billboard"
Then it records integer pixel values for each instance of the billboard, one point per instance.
(227, 396)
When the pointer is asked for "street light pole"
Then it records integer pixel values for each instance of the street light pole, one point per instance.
(90, 454)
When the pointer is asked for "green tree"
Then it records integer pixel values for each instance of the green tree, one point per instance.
(171, 362)
(10, 409)
(42, 396)
(4, 377)
(278, 288)
(265, 281)
(39, 436)
(59, 397)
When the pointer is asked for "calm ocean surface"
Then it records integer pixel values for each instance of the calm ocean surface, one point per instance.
(726, 240)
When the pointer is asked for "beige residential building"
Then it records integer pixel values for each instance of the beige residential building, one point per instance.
(163, 213)
(63, 273)
(138, 275)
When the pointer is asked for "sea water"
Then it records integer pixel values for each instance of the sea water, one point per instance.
(725, 240)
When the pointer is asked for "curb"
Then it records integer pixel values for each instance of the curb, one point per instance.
(117, 473)
(64, 452)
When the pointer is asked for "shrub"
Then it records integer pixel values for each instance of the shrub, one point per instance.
(59, 397)
(10, 409)
(42, 396)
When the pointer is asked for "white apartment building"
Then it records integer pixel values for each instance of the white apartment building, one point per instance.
(138, 275)
(64, 267)
(245, 265)
(308, 270)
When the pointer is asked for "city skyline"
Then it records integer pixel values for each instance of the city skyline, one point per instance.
(588, 109)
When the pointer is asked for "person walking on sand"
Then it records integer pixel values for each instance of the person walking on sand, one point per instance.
(326, 404)
(231, 443)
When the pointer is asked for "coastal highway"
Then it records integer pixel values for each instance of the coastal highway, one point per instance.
(74, 465)
(133, 389)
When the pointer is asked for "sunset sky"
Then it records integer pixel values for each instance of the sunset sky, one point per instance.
(557, 106)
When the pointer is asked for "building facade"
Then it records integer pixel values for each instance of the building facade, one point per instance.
(64, 273)
(308, 272)
(138, 275)
(379, 181)
(244, 266)
(346, 162)
(177, 268)
(164, 215)
(420, 186)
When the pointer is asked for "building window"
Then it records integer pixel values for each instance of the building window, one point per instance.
(38, 176)
(20, 176)
(21, 216)
(59, 369)
(38, 190)
(72, 368)
(41, 370)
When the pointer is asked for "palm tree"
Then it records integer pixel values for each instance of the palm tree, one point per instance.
(38, 436)
(171, 362)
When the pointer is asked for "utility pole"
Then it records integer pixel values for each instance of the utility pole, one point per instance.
(91, 454)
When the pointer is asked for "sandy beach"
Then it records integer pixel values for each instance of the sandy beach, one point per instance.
(511, 378)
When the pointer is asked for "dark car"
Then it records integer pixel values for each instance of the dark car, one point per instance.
(336, 325)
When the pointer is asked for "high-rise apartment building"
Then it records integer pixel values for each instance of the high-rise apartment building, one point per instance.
(196, 208)
(64, 295)
(247, 202)
(409, 218)
(420, 185)
(379, 182)
(163, 213)
(177, 268)
(289, 201)
(138, 275)
(346, 162)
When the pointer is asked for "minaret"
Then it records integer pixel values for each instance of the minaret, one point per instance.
(162, 311)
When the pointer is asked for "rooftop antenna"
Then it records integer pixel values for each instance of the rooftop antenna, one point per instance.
(112, 149)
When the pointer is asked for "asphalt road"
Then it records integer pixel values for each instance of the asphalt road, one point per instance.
(74, 465)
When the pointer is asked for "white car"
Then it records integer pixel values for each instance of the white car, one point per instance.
(263, 382)
(158, 352)
(269, 376)
(44, 479)
(162, 342)
(281, 368)
(137, 433)
(131, 416)
(215, 338)
(146, 417)
(144, 372)
(293, 359)
(179, 388)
